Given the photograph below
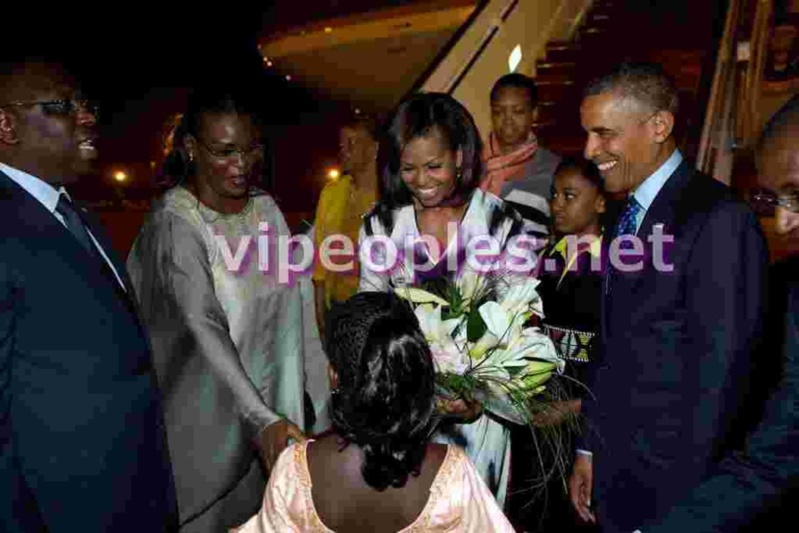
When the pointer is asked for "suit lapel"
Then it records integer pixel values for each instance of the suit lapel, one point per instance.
(127, 294)
(662, 209)
(660, 213)
(35, 215)
(97, 229)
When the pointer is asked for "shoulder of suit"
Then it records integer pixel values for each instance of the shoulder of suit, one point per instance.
(706, 193)
(704, 199)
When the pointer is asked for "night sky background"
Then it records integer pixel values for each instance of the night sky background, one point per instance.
(139, 62)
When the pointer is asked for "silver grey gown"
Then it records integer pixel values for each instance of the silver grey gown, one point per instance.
(231, 349)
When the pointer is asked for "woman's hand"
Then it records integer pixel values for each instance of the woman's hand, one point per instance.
(465, 412)
(274, 439)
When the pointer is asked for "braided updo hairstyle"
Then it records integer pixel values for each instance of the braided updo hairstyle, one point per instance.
(384, 400)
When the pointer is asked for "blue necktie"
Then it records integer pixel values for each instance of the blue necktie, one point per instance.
(628, 221)
(627, 225)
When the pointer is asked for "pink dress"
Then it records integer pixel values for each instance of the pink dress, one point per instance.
(459, 501)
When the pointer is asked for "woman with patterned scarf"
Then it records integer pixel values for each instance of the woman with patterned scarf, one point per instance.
(517, 169)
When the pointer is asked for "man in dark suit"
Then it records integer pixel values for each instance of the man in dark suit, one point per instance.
(755, 488)
(82, 443)
(678, 324)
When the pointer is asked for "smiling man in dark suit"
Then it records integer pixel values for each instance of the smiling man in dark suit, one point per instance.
(676, 335)
(82, 444)
(756, 488)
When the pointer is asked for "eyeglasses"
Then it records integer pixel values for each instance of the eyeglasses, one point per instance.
(764, 201)
(231, 152)
(60, 107)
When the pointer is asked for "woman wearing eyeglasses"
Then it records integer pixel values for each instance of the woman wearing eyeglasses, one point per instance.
(227, 335)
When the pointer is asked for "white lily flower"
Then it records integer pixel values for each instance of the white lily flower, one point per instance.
(521, 296)
(496, 319)
(530, 343)
(429, 317)
(535, 344)
(487, 342)
(501, 323)
(452, 324)
(447, 356)
(491, 371)
(419, 296)
(468, 283)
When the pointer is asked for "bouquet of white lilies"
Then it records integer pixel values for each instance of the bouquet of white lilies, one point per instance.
(482, 349)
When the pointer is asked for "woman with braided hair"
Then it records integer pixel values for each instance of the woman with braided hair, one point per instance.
(377, 470)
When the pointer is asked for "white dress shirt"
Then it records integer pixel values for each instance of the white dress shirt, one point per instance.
(646, 192)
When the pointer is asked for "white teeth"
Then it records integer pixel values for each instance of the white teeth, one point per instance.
(607, 166)
(427, 192)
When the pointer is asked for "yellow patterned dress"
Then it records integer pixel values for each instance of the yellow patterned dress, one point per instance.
(340, 212)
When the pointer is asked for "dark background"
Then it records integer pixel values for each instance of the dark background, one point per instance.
(140, 61)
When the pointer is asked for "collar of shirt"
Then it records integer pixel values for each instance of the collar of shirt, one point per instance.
(594, 249)
(592, 246)
(646, 192)
(46, 194)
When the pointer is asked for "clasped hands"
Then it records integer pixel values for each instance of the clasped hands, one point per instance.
(274, 438)
(465, 411)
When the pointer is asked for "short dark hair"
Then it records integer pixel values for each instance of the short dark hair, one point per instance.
(518, 81)
(785, 117)
(585, 168)
(363, 121)
(418, 116)
(384, 399)
(643, 82)
(16, 75)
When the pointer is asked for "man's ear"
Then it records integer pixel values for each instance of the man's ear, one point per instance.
(8, 128)
(663, 124)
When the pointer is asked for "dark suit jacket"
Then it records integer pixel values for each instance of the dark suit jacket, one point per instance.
(675, 353)
(82, 442)
(748, 488)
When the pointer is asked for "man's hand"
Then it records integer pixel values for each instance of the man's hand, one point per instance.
(580, 484)
(274, 439)
(464, 411)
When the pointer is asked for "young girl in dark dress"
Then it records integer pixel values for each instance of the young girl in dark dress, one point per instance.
(571, 285)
